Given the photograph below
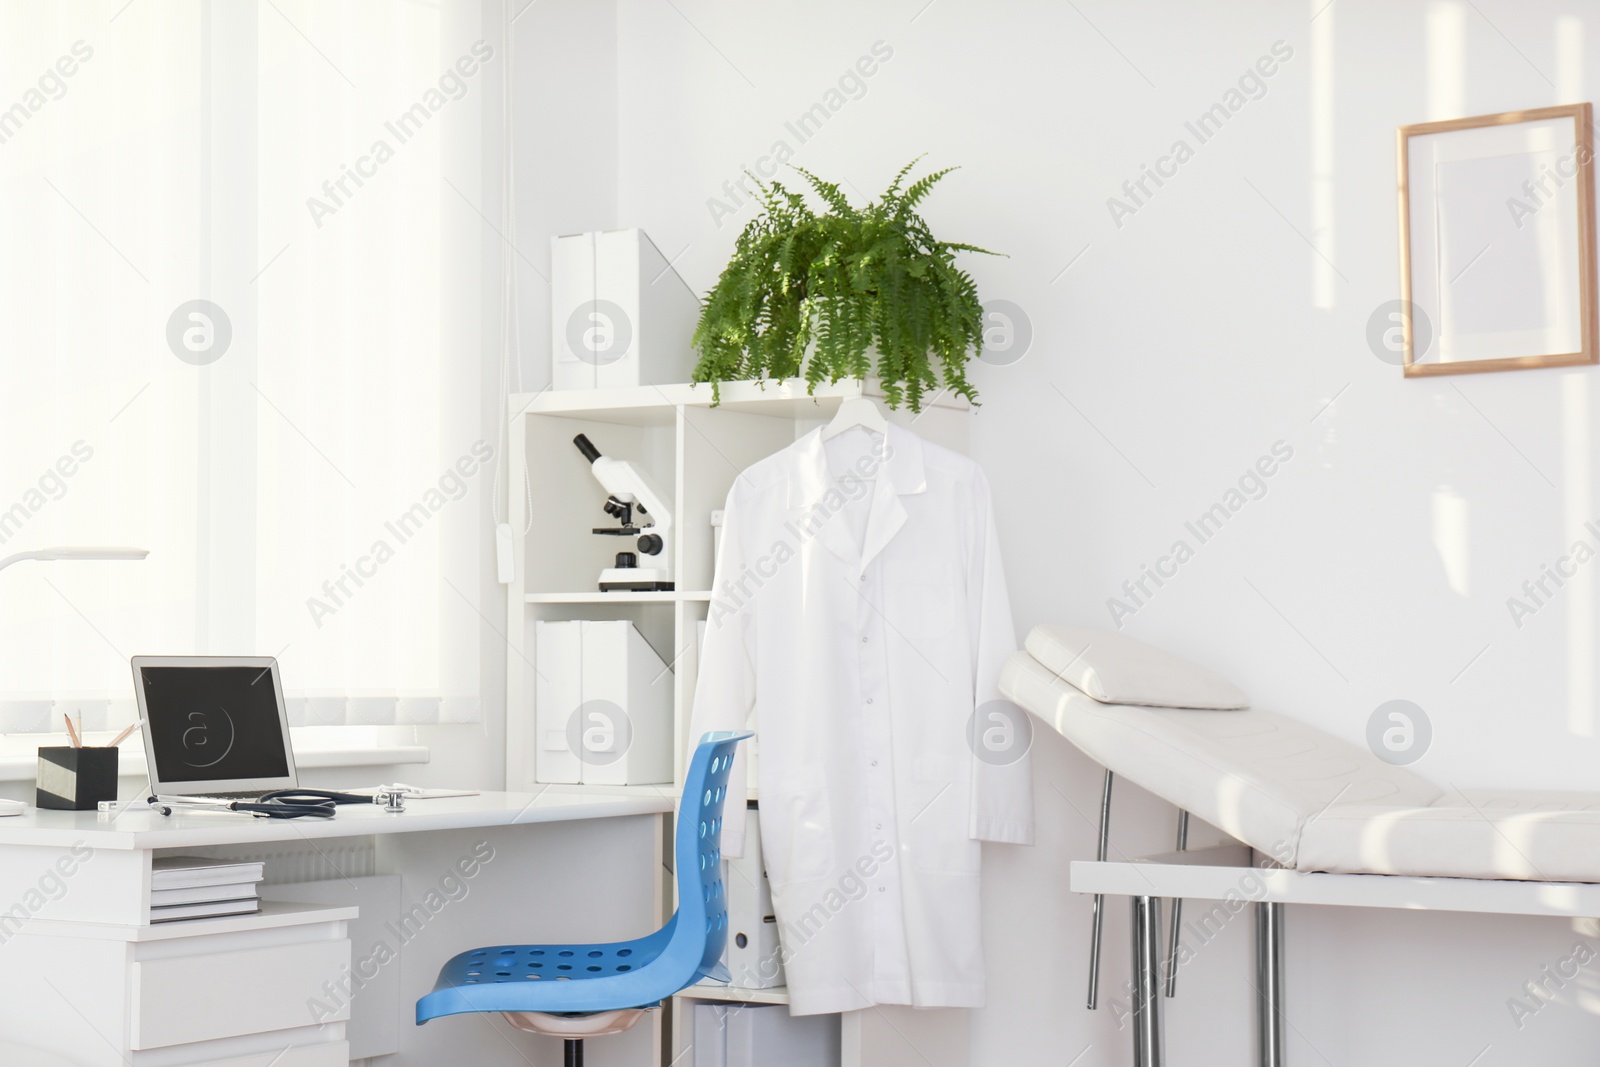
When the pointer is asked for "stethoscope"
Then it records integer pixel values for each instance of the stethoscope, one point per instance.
(284, 803)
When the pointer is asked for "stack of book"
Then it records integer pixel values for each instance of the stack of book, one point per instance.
(197, 887)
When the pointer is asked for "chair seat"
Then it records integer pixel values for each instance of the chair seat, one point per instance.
(541, 978)
(562, 963)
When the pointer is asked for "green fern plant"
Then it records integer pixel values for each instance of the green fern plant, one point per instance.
(835, 286)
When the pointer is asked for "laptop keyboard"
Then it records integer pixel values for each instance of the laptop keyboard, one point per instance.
(242, 794)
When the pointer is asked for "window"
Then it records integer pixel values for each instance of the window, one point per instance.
(243, 270)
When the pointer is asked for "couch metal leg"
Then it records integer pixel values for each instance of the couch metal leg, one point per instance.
(1177, 913)
(1101, 848)
(1147, 1049)
(574, 1054)
(1269, 984)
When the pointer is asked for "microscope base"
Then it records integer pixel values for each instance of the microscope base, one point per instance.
(635, 580)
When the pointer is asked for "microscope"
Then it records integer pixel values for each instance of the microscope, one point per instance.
(632, 496)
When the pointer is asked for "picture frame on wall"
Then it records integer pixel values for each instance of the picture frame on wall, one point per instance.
(1497, 242)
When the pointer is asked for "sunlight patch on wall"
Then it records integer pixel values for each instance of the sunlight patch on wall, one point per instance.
(1322, 200)
(1569, 59)
(1577, 444)
(1451, 537)
(1447, 61)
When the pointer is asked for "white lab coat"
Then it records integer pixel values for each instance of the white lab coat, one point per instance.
(866, 619)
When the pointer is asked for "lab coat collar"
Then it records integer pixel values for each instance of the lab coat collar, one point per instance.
(898, 473)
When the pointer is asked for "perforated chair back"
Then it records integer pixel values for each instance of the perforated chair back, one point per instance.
(702, 896)
(624, 974)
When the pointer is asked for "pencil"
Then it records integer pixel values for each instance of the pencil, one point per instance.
(72, 733)
(123, 736)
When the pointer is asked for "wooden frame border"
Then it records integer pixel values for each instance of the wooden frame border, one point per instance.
(1583, 141)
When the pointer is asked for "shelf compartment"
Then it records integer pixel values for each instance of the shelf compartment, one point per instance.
(734, 995)
(597, 597)
(560, 550)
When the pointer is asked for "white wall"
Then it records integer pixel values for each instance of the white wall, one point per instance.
(1227, 314)
(566, 150)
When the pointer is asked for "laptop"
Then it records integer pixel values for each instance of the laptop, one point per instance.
(214, 726)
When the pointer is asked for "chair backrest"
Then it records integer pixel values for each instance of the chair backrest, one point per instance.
(702, 896)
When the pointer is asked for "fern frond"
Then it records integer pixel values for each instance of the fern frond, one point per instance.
(851, 292)
(830, 192)
(893, 192)
(921, 188)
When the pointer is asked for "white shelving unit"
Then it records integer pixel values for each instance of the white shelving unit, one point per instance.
(693, 451)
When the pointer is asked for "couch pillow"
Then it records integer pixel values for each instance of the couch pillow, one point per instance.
(1114, 669)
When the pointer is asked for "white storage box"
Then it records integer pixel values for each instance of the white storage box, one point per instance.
(754, 956)
(619, 314)
(602, 710)
(710, 1035)
(768, 1036)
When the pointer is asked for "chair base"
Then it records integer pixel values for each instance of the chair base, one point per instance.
(573, 1029)
(576, 1027)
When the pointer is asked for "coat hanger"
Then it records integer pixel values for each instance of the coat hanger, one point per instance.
(856, 411)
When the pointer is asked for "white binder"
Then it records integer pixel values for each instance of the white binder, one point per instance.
(602, 705)
(557, 692)
(754, 956)
(619, 314)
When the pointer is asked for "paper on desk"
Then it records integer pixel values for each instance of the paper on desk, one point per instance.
(413, 794)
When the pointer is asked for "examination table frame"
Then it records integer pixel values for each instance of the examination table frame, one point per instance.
(1217, 873)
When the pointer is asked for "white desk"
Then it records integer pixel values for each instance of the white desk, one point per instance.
(380, 901)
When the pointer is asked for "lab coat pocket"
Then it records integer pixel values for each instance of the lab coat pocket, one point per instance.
(938, 832)
(797, 828)
(928, 608)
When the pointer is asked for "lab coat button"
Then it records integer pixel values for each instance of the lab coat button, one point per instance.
(869, 700)
(864, 640)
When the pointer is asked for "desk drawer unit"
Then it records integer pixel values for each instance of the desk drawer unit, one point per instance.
(239, 991)
(332, 1055)
(184, 999)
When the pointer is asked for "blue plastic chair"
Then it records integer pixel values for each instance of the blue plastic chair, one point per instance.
(568, 983)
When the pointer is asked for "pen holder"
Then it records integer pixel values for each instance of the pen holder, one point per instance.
(76, 779)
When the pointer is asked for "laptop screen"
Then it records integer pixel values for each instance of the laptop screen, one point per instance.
(210, 724)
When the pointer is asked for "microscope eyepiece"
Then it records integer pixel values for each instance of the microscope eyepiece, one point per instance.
(590, 452)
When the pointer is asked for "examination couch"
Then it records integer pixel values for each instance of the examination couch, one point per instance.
(1319, 820)
(1307, 799)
